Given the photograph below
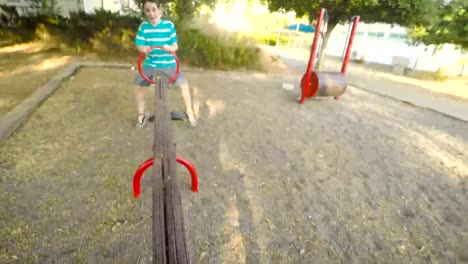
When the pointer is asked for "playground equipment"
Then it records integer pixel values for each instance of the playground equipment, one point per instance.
(169, 241)
(326, 83)
(149, 162)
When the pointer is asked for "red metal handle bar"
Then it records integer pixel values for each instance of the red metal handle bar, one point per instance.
(142, 57)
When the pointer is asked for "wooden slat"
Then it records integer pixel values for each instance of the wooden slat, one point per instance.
(181, 244)
(162, 109)
(159, 229)
(174, 231)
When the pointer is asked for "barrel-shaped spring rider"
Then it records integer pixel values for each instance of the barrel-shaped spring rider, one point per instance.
(326, 83)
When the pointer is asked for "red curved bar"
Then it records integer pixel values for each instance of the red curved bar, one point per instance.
(142, 57)
(138, 174)
(149, 162)
(193, 172)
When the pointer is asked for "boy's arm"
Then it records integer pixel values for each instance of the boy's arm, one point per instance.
(173, 39)
(140, 40)
(144, 49)
(172, 47)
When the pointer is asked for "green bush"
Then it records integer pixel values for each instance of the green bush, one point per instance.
(116, 41)
(18, 29)
(102, 31)
(200, 49)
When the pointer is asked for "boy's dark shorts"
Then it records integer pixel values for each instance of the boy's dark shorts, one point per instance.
(149, 72)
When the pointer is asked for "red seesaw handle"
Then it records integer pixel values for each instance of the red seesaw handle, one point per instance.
(149, 162)
(142, 57)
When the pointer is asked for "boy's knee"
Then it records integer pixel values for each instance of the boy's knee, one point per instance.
(137, 88)
(181, 82)
(183, 85)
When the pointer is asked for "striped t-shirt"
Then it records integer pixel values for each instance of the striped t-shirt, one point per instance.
(163, 33)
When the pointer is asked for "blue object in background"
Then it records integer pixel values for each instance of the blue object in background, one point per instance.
(302, 28)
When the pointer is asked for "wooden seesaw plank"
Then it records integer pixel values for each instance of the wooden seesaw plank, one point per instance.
(169, 241)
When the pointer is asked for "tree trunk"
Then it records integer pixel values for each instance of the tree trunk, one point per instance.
(320, 62)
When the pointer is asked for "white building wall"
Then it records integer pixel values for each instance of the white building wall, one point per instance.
(68, 5)
(379, 43)
(110, 5)
(72, 5)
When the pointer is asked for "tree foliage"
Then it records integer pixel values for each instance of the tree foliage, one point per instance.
(449, 26)
(402, 12)
(181, 10)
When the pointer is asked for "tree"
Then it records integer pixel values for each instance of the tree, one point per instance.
(401, 12)
(450, 26)
(182, 9)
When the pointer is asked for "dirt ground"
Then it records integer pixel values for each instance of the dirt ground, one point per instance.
(23, 68)
(364, 179)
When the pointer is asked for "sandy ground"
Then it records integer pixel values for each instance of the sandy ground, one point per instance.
(363, 179)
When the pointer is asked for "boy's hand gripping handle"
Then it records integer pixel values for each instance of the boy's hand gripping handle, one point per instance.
(142, 57)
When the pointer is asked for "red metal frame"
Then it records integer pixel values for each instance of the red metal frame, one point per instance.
(142, 57)
(149, 162)
(306, 86)
(348, 48)
(350, 44)
(306, 79)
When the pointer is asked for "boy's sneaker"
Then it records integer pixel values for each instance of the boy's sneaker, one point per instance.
(174, 116)
(144, 120)
(177, 116)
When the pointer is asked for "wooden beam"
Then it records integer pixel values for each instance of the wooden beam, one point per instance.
(159, 229)
(169, 241)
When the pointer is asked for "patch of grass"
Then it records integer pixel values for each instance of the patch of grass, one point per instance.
(439, 75)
